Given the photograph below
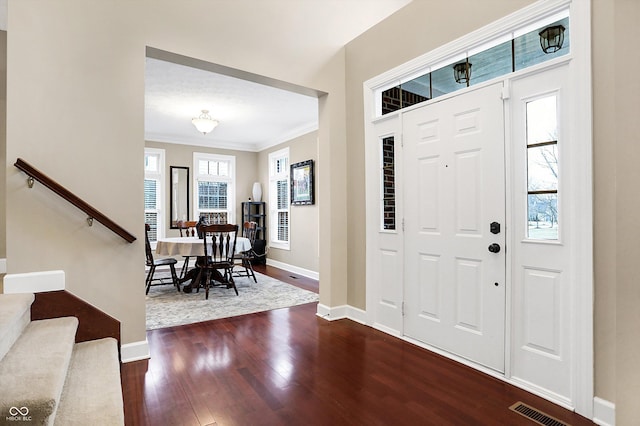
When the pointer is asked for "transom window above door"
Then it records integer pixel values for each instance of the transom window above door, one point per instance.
(519, 49)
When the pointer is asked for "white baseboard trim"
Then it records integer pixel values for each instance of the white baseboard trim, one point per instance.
(296, 270)
(340, 312)
(34, 282)
(604, 412)
(3, 266)
(135, 351)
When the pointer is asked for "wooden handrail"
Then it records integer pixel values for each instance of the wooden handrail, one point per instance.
(92, 212)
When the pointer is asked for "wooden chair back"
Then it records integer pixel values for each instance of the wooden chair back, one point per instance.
(147, 245)
(187, 228)
(219, 245)
(249, 230)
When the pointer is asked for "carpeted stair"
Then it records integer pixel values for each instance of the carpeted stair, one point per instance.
(48, 379)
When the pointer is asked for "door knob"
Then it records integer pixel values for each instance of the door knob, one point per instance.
(494, 248)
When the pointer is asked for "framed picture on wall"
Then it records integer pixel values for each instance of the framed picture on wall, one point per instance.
(302, 183)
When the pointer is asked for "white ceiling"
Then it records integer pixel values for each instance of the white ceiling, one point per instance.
(254, 116)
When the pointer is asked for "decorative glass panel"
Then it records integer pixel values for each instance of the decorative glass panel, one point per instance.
(388, 184)
(542, 168)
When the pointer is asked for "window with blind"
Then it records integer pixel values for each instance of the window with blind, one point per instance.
(153, 178)
(214, 187)
(279, 198)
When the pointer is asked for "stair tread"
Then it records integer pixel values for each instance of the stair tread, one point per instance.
(92, 389)
(35, 368)
(14, 317)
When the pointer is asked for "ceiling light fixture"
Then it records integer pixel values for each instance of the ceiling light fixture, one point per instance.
(551, 38)
(204, 123)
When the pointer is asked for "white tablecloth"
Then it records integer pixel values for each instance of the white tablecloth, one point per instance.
(191, 246)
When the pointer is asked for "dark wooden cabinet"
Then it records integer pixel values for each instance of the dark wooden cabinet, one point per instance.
(253, 211)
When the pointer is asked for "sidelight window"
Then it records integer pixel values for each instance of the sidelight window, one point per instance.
(388, 184)
(542, 168)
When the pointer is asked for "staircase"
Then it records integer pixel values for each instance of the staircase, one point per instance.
(48, 379)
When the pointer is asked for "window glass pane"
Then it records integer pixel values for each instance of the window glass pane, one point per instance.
(223, 168)
(543, 216)
(443, 82)
(542, 167)
(491, 63)
(283, 194)
(214, 218)
(152, 220)
(212, 195)
(150, 194)
(388, 184)
(151, 163)
(283, 226)
(203, 167)
(528, 51)
(542, 121)
(416, 90)
(391, 100)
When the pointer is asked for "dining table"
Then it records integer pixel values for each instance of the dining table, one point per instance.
(192, 247)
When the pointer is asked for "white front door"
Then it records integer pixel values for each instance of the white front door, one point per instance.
(454, 177)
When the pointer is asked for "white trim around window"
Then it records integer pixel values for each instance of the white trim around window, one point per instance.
(279, 202)
(219, 171)
(154, 174)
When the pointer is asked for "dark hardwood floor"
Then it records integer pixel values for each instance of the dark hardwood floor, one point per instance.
(289, 367)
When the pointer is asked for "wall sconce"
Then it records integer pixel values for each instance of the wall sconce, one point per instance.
(551, 38)
(462, 72)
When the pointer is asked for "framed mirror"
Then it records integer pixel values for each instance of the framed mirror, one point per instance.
(179, 195)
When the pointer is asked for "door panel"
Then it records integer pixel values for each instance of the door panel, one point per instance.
(542, 279)
(454, 188)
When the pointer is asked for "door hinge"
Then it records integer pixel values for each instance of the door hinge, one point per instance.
(403, 224)
(403, 308)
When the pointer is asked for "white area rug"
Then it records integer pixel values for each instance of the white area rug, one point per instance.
(166, 307)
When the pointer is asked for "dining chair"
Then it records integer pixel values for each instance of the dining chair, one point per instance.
(187, 228)
(219, 250)
(249, 230)
(152, 264)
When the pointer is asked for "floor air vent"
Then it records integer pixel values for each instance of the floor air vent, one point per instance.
(536, 415)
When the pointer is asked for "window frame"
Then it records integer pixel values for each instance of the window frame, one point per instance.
(230, 179)
(274, 178)
(159, 177)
